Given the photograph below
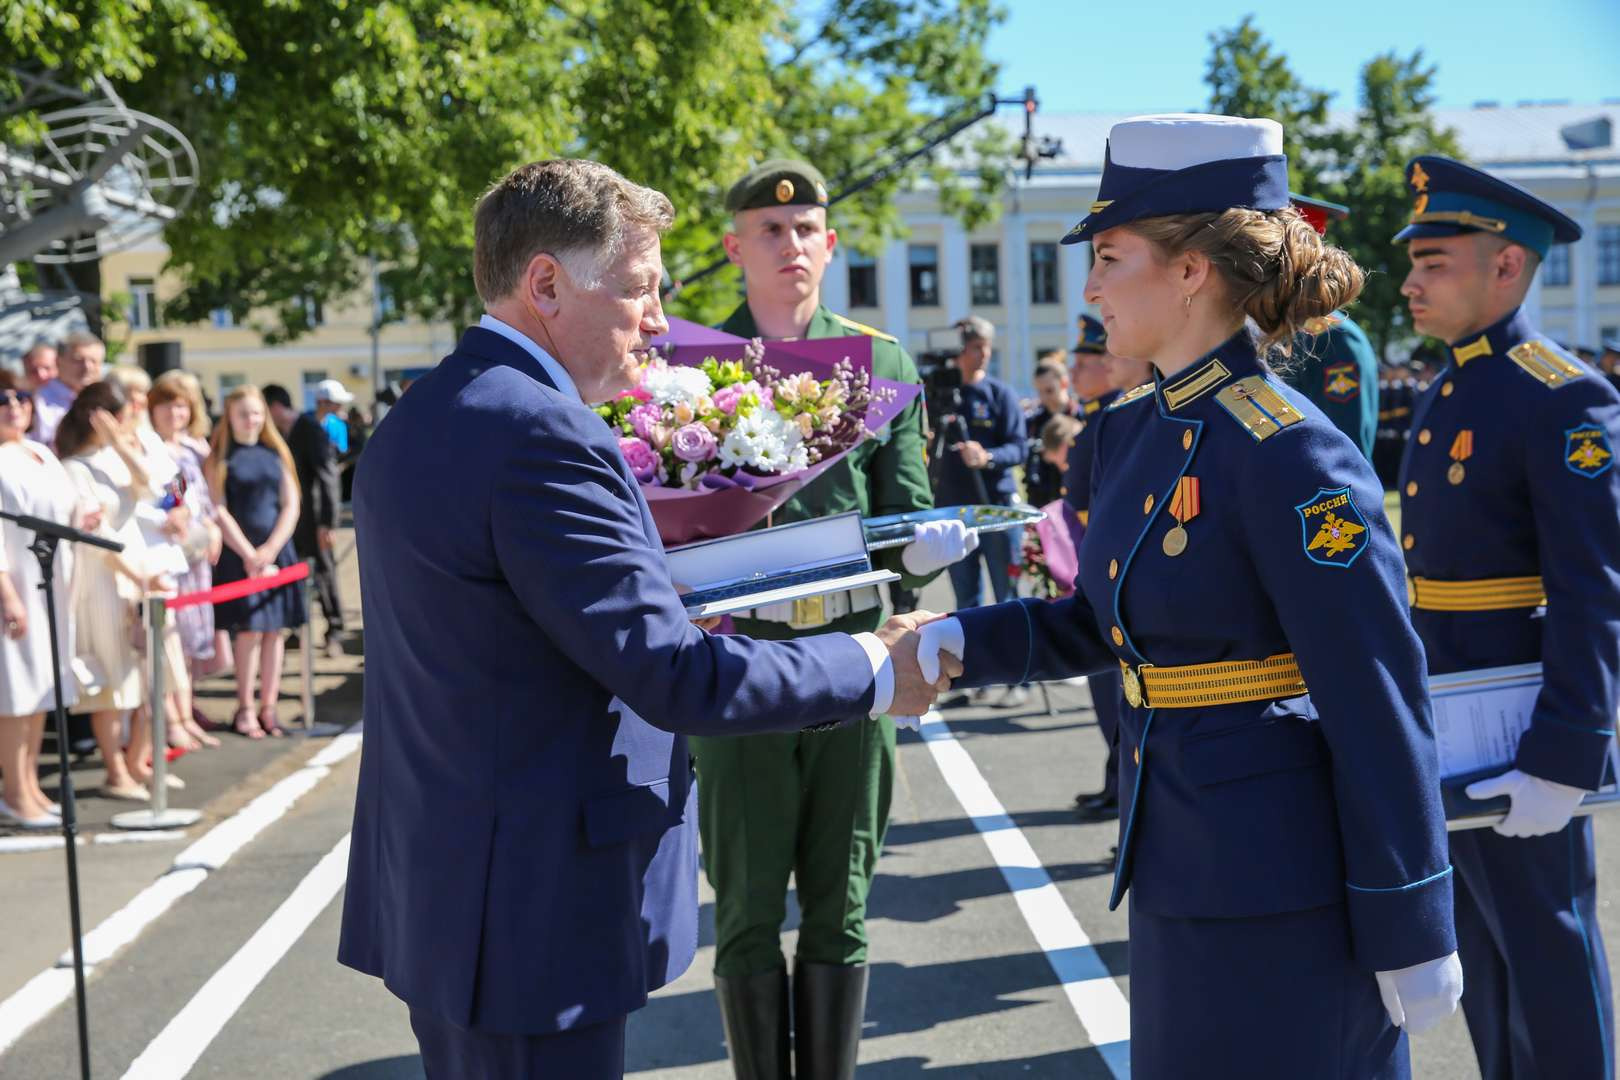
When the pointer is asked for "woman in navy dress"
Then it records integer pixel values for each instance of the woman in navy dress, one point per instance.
(1281, 834)
(255, 489)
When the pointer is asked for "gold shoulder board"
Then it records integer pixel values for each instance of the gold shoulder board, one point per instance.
(1134, 394)
(1546, 364)
(862, 328)
(1258, 406)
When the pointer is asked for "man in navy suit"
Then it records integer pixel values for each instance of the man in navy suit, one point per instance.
(523, 870)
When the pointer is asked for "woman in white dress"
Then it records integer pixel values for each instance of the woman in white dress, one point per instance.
(108, 466)
(32, 482)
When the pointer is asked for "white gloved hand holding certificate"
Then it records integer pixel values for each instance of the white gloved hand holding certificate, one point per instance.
(937, 544)
(1539, 807)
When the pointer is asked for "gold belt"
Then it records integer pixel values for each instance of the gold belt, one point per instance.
(1485, 594)
(1225, 683)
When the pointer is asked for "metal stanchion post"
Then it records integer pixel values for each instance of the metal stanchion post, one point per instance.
(158, 816)
(308, 650)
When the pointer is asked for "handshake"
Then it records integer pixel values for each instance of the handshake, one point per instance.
(915, 690)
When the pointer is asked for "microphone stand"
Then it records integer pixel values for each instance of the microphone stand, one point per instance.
(47, 535)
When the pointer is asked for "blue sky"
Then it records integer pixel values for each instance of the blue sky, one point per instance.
(1148, 55)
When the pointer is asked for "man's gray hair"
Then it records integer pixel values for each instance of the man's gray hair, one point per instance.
(976, 328)
(576, 211)
(78, 339)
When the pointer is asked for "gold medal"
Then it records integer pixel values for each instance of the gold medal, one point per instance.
(1175, 541)
(1456, 473)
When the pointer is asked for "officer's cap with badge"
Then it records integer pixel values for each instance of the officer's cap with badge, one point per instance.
(1093, 338)
(1186, 163)
(1450, 198)
(779, 182)
(1318, 212)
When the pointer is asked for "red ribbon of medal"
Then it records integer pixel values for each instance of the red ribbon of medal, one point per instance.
(1184, 506)
(1462, 448)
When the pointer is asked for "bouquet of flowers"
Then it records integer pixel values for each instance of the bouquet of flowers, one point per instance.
(720, 431)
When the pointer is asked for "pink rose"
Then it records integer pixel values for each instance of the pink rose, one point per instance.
(643, 418)
(641, 458)
(694, 443)
(725, 398)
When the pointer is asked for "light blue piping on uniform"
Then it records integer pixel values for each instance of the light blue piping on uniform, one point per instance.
(1029, 656)
(1586, 945)
(1115, 894)
(1539, 717)
(1431, 879)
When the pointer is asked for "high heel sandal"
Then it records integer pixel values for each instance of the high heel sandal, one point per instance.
(243, 723)
(267, 721)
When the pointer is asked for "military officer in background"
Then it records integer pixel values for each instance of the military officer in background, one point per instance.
(1510, 510)
(813, 806)
(1333, 363)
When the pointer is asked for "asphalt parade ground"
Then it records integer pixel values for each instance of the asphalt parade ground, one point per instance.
(994, 954)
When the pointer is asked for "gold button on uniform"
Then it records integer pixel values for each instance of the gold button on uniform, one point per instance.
(1186, 440)
(1119, 636)
(1424, 436)
(1136, 755)
(1448, 389)
(1147, 505)
(1408, 542)
(1411, 488)
(1113, 569)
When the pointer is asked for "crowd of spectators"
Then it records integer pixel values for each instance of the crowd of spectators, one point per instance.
(196, 502)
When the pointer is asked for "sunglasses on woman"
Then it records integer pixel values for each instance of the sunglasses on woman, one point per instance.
(16, 397)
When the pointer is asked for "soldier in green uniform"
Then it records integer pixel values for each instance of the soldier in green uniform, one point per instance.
(1334, 364)
(814, 806)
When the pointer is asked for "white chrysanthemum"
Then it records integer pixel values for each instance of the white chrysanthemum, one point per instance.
(671, 385)
(798, 458)
(737, 450)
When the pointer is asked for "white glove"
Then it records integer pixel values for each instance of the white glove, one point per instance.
(941, 635)
(1539, 806)
(937, 544)
(1419, 997)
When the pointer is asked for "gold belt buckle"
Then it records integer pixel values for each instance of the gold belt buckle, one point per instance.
(809, 612)
(1411, 592)
(1135, 691)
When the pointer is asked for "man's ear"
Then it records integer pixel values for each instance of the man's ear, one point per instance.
(541, 283)
(1512, 264)
(832, 240)
(733, 247)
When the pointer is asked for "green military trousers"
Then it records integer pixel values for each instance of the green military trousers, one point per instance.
(813, 805)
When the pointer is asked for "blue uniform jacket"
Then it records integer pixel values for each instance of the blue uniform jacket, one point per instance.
(994, 420)
(1249, 809)
(1082, 455)
(523, 860)
(1537, 493)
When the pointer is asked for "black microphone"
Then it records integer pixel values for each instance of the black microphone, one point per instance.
(60, 532)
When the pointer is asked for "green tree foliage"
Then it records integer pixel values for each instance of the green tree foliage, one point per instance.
(332, 131)
(1357, 158)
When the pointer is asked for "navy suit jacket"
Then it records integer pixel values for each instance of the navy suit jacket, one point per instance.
(524, 860)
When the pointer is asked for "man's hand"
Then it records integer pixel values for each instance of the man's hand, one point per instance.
(1420, 996)
(13, 615)
(913, 694)
(937, 544)
(1538, 806)
(706, 625)
(323, 538)
(177, 523)
(974, 456)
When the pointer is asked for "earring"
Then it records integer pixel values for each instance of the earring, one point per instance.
(1187, 301)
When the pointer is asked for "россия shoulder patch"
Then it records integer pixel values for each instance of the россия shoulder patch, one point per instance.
(1333, 531)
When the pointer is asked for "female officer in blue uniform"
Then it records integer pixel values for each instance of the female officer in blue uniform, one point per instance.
(1285, 855)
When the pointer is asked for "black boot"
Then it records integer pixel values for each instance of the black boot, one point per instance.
(829, 1002)
(754, 1009)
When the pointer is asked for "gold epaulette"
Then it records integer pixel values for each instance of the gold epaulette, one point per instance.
(1545, 363)
(1133, 394)
(1258, 406)
(862, 328)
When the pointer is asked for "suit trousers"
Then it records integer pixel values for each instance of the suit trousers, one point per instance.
(449, 1052)
(1535, 976)
(814, 806)
(323, 574)
(1270, 997)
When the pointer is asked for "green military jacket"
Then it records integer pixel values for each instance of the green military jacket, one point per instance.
(886, 474)
(1338, 370)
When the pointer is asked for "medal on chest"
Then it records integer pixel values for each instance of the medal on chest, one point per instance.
(1462, 448)
(1184, 506)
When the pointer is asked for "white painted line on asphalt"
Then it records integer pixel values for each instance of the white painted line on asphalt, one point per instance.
(1096, 998)
(178, 1046)
(16, 845)
(25, 1008)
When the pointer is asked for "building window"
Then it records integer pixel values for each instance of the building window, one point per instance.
(863, 280)
(142, 303)
(1608, 337)
(229, 382)
(1608, 255)
(1555, 274)
(924, 261)
(222, 318)
(314, 310)
(984, 261)
(1043, 274)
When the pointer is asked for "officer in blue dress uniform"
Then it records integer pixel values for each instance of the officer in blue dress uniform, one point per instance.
(1285, 854)
(1510, 509)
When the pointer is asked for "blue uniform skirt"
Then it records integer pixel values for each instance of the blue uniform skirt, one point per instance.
(1274, 997)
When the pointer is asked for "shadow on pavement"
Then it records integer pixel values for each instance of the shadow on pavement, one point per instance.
(934, 896)
(405, 1067)
(1083, 1064)
(920, 832)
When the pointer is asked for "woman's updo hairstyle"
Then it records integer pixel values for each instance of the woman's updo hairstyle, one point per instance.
(1274, 265)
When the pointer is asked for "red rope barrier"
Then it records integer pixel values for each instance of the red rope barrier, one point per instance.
(235, 590)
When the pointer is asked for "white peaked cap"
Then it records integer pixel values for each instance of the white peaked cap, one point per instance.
(1182, 140)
